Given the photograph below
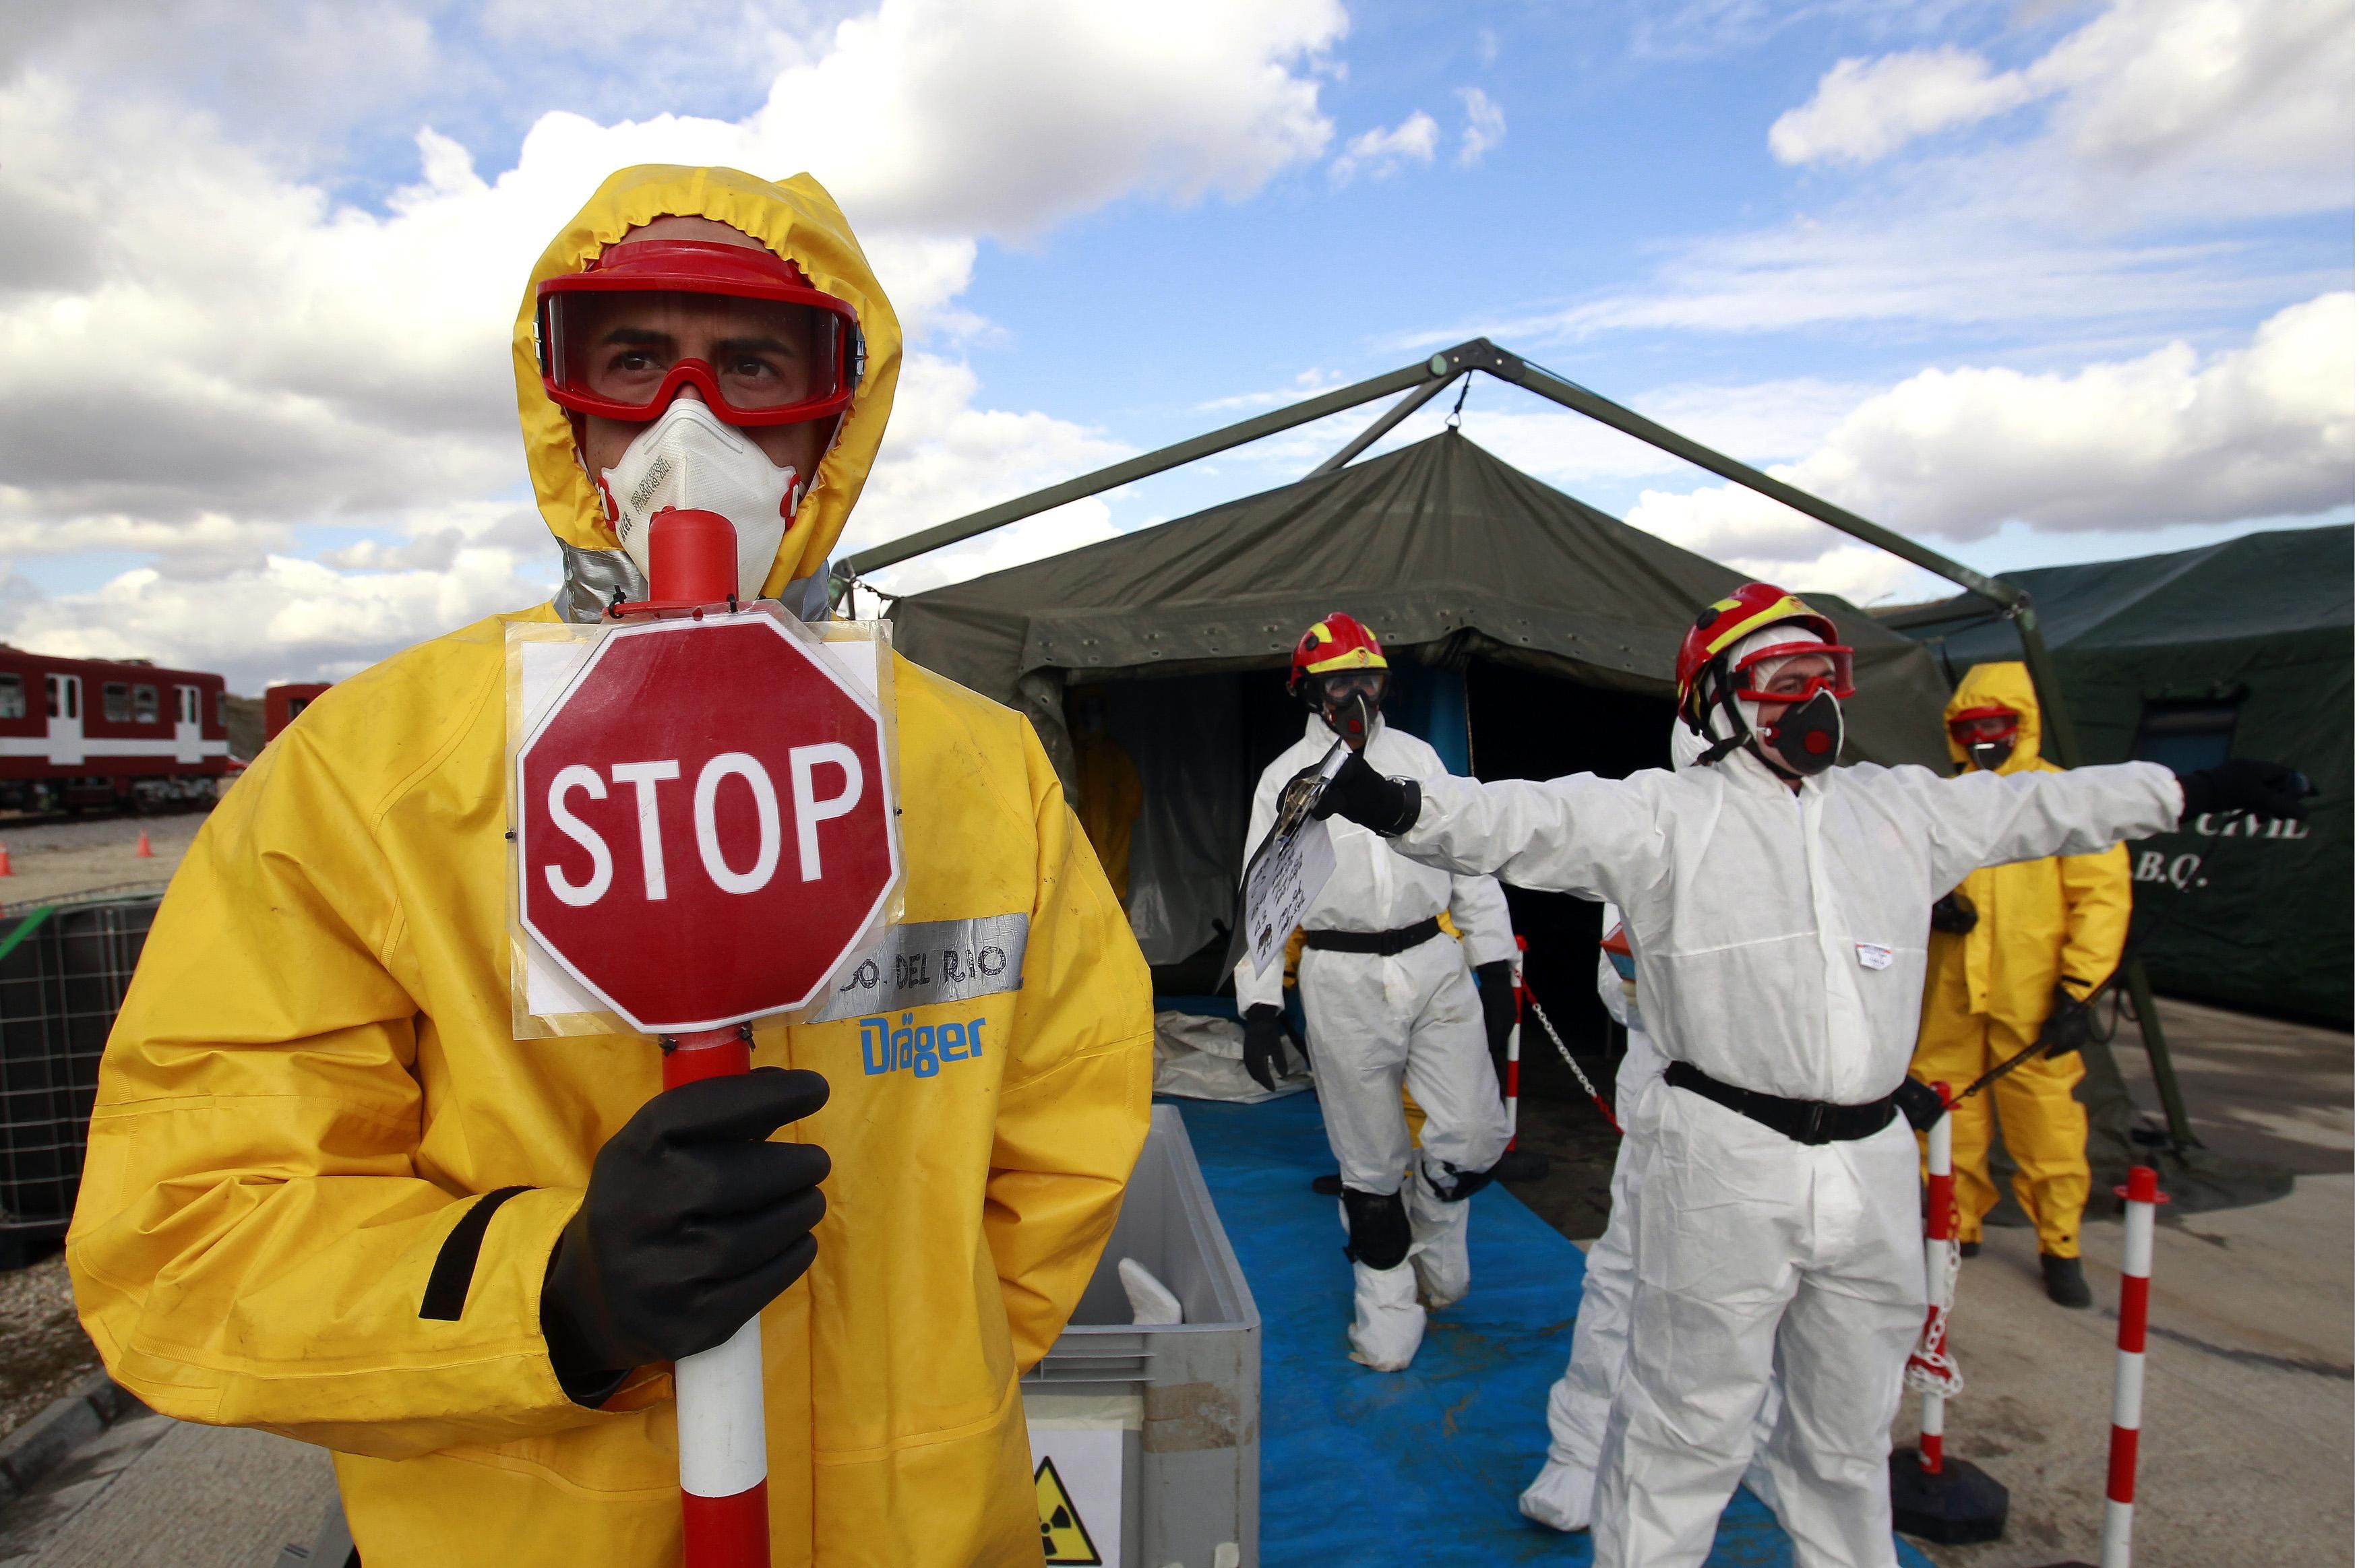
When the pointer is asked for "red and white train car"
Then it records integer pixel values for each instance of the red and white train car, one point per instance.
(101, 732)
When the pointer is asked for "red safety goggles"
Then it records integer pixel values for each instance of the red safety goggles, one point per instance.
(743, 325)
(1835, 680)
(1972, 724)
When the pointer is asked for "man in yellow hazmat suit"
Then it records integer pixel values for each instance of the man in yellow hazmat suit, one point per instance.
(329, 1195)
(2015, 954)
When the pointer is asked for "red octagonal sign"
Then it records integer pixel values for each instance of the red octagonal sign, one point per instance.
(705, 823)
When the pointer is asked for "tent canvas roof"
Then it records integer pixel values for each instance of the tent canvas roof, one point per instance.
(1439, 543)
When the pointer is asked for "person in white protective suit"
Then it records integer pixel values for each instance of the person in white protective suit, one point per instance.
(1562, 1495)
(1389, 1000)
(1777, 909)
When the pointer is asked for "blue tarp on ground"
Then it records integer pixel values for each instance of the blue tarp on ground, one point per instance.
(1419, 1466)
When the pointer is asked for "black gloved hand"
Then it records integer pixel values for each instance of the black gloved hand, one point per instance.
(691, 1225)
(2072, 1023)
(1499, 1008)
(1954, 912)
(1360, 794)
(2240, 784)
(1919, 1104)
(1266, 1043)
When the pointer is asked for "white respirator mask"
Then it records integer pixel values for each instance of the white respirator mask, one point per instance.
(691, 458)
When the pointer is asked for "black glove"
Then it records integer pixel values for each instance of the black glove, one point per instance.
(1954, 912)
(1498, 1002)
(1919, 1104)
(691, 1225)
(1360, 794)
(2072, 1023)
(1266, 1043)
(2264, 789)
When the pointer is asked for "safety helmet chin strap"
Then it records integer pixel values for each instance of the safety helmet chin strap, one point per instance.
(1739, 732)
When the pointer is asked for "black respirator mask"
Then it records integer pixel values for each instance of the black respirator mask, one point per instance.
(1808, 735)
(1990, 755)
(1349, 704)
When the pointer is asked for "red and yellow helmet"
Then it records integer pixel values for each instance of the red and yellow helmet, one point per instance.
(1338, 643)
(1727, 622)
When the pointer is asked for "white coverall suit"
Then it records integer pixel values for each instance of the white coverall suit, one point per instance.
(1780, 941)
(1375, 1021)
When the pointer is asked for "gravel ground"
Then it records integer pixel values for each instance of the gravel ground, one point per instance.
(43, 1351)
(52, 860)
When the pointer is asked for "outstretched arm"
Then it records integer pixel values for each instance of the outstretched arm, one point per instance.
(1988, 819)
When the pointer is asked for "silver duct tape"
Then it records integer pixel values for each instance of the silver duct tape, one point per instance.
(932, 961)
(592, 576)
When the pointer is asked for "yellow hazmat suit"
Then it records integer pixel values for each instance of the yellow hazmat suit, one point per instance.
(312, 1080)
(1987, 994)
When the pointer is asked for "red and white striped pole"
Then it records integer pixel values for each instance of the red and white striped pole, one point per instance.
(2138, 1201)
(1515, 1038)
(724, 1462)
(1940, 1231)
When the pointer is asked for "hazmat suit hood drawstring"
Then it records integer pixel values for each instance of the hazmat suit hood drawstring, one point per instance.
(2004, 685)
(798, 219)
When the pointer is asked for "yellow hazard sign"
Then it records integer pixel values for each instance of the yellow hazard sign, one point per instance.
(1063, 1537)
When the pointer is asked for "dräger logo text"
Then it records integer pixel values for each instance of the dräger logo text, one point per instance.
(922, 1050)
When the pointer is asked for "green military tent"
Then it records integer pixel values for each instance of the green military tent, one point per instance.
(1539, 635)
(2242, 649)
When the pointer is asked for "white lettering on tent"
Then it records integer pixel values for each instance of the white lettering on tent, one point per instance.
(765, 807)
(809, 810)
(602, 864)
(2150, 866)
(644, 777)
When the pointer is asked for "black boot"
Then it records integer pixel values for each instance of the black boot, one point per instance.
(1970, 1248)
(1327, 1186)
(2066, 1285)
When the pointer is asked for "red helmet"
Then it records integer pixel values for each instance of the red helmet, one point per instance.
(1338, 643)
(1726, 623)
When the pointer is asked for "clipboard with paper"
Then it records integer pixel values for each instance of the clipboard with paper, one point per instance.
(1292, 864)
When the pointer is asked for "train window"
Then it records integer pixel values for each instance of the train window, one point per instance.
(192, 711)
(118, 704)
(143, 704)
(12, 697)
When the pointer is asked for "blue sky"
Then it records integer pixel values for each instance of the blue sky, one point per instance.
(2036, 281)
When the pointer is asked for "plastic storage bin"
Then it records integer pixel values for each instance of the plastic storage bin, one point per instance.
(60, 985)
(1148, 1436)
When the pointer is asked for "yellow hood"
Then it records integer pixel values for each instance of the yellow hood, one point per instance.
(797, 218)
(2005, 685)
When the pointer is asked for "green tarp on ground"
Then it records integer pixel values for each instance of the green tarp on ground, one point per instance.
(1436, 545)
(2238, 649)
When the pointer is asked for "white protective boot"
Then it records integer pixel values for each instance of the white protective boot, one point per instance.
(1437, 1245)
(1388, 1325)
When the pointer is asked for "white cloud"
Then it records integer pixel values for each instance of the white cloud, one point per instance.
(1486, 127)
(1865, 109)
(2150, 91)
(1381, 152)
(2172, 438)
(212, 357)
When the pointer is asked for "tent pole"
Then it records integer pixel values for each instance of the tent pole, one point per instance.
(1368, 437)
(1477, 353)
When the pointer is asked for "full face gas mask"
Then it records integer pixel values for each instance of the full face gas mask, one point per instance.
(1349, 701)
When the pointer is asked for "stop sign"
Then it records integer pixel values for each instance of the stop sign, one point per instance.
(704, 822)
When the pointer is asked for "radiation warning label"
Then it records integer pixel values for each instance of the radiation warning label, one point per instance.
(1064, 1534)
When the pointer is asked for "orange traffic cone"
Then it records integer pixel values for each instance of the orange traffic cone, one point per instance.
(145, 851)
(5, 869)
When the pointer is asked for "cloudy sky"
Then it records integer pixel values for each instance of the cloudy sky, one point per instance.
(2037, 280)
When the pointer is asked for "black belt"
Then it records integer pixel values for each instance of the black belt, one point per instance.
(1803, 1120)
(1383, 943)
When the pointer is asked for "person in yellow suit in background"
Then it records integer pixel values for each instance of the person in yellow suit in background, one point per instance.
(2015, 953)
(329, 1193)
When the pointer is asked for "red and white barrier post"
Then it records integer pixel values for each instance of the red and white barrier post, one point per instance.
(2138, 1201)
(1951, 1501)
(1514, 1035)
(1941, 1232)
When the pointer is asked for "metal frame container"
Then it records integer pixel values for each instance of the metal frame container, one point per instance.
(1187, 1396)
